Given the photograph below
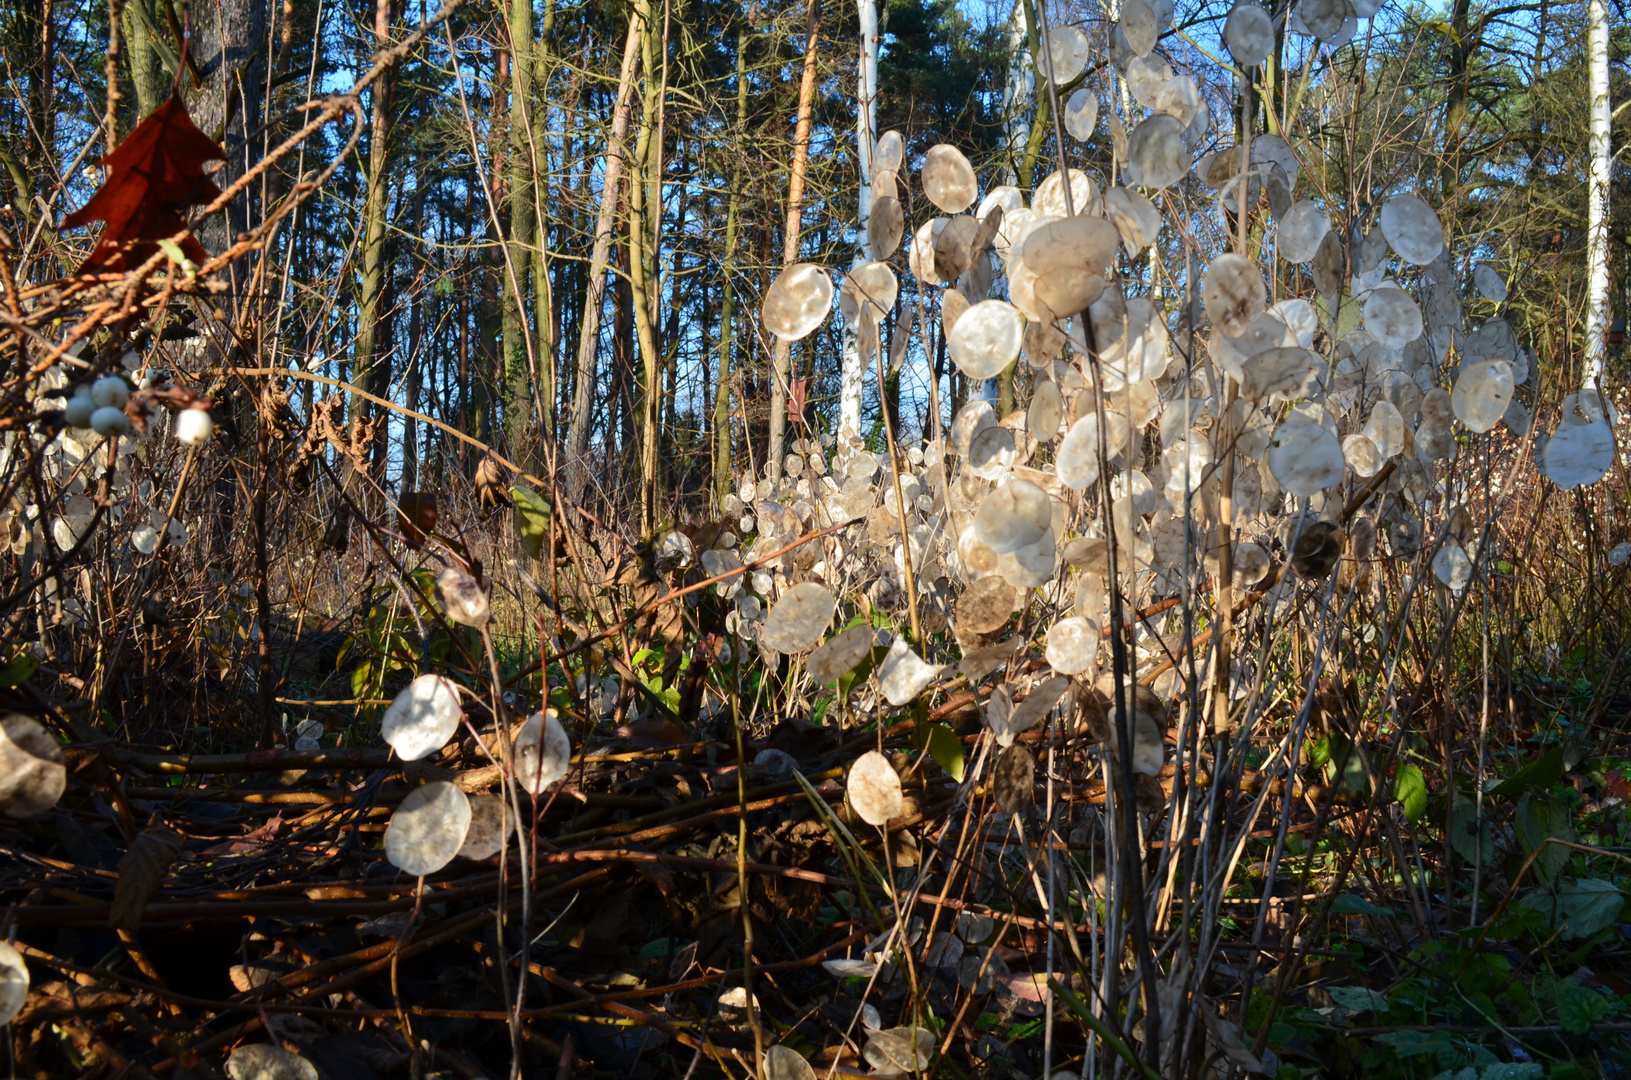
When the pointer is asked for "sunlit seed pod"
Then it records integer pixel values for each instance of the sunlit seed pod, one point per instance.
(1578, 454)
(1134, 216)
(1138, 26)
(799, 618)
(991, 453)
(1619, 554)
(1041, 344)
(885, 226)
(1030, 566)
(428, 828)
(953, 305)
(462, 598)
(890, 153)
(109, 420)
(1076, 243)
(875, 282)
(1494, 339)
(110, 391)
(1073, 645)
(953, 247)
(1301, 231)
(903, 674)
(1082, 113)
(1289, 372)
(1064, 292)
(1325, 18)
(1180, 98)
(1490, 283)
(838, 655)
(1327, 266)
(1157, 155)
(948, 179)
(920, 254)
(1145, 77)
(1004, 197)
(1016, 718)
(1362, 455)
(977, 559)
(986, 338)
(1452, 567)
(1248, 33)
(1272, 150)
(782, 1062)
(1049, 201)
(847, 969)
(263, 1061)
(873, 788)
(1077, 464)
(1306, 458)
(1234, 293)
(490, 827)
(1013, 780)
(1412, 229)
(1067, 54)
(972, 417)
(985, 606)
(1433, 441)
(14, 983)
(1147, 717)
(33, 770)
(1516, 418)
(1436, 407)
(797, 302)
(1250, 562)
(1386, 429)
(899, 1051)
(422, 718)
(1391, 317)
(76, 413)
(1046, 411)
(1482, 393)
(542, 752)
(1014, 516)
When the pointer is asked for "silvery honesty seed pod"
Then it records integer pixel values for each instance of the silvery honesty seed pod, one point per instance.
(874, 789)
(422, 718)
(428, 828)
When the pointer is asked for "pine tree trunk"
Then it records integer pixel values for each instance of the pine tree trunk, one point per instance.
(371, 355)
(518, 346)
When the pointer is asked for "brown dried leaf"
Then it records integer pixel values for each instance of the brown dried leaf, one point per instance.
(141, 872)
(1012, 779)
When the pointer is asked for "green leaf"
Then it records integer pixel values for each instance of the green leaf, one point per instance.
(1540, 773)
(1349, 904)
(1467, 838)
(1410, 788)
(860, 673)
(1513, 1070)
(1583, 907)
(1319, 752)
(362, 679)
(1359, 998)
(1578, 1008)
(942, 745)
(1539, 819)
(17, 672)
(531, 519)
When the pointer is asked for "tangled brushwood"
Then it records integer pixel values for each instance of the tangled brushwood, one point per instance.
(1221, 673)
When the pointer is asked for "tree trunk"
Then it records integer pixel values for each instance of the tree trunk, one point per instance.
(852, 370)
(790, 246)
(645, 224)
(727, 311)
(589, 326)
(1597, 193)
(518, 359)
(371, 365)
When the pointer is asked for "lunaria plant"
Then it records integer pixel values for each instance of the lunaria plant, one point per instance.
(428, 828)
(13, 983)
(422, 718)
(263, 1061)
(33, 771)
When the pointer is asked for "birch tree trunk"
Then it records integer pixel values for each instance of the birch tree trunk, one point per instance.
(790, 246)
(595, 293)
(852, 370)
(727, 307)
(1597, 193)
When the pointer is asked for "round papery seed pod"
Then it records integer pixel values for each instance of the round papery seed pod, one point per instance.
(1138, 26)
(428, 828)
(194, 427)
(1046, 411)
(108, 421)
(490, 826)
(1391, 317)
(1250, 563)
(1248, 33)
(885, 226)
(797, 302)
(461, 597)
(985, 606)
(1452, 567)
(1067, 53)
(262, 1061)
(784, 1063)
(891, 152)
(77, 412)
(1073, 645)
(1013, 779)
(1082, 113)
(1361, 454)
(873, 788)
(542, 752)
(876, 283)
(33, 772)
(1578, 454)
(948, 179)
(1073, 243)
(1489, 282)
(1134, 216)
(1157, 155)
(1412, 229)
(838, 655)
(422, 718)
(1306, 458)
(986, 338)
(1234, 293)
(1482, 393)
(1301, 231)
(799, 618)
(110, 391)
(1016, 515)
(13, 983)
(1049, 201)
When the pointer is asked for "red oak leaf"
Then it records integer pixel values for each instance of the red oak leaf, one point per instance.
(154, 175)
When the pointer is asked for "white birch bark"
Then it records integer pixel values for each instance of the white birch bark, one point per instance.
(852, 375)
(1597, 193)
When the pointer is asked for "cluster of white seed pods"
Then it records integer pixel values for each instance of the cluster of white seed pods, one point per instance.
(437, 821)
